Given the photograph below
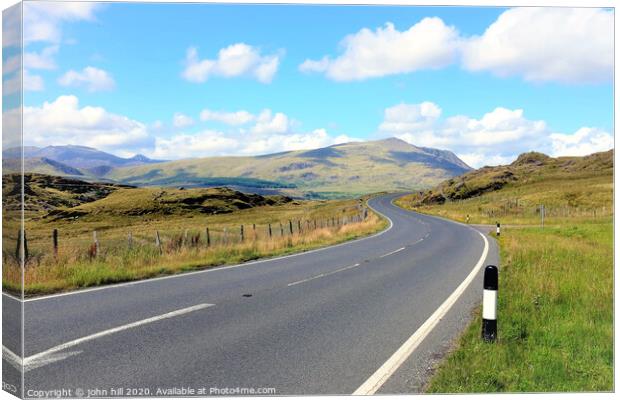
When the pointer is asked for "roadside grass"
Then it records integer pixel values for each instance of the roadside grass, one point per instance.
(555, 316)
(117, 261)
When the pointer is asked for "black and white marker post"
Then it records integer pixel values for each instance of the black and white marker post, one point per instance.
(489, 304)
(497, 231)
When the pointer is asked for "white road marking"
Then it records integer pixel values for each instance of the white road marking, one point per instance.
(12, 358)
(52, 355)
(392, 252)
(384, 372)
(323, 275)
(204, 271)
(11, 296)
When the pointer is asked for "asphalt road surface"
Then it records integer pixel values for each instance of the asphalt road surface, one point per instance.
(367, 316)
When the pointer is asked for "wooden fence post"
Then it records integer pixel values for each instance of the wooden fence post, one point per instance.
(298, 227)
(208, 237)
(270, 230)
(290, 227)
(241, 233)
(158, 242)
(55, 241)
(281, 229)
(96, 243)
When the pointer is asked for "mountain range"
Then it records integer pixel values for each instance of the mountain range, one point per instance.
(336, 171)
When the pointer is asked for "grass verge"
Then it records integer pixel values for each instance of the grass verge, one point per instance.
(555, 316)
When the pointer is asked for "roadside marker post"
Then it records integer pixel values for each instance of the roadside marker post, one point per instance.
(497, 230)
(489, 304)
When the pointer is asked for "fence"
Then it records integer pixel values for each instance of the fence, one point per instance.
(100, 242)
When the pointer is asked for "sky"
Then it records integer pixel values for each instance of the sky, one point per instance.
(193, 80)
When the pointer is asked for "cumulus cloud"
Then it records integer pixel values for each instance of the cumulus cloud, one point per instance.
(546, 44)
(31, 83)
(268, 122)
(237, 59)
(62, 121)
(495, 138)
(275, 143)
(180, 120)
(408, 117)
(429, 44)
(43, 20)
(240, 117)
(583, 142)
(569, 45)
(202, 144)
(91, 78)
(41, 60)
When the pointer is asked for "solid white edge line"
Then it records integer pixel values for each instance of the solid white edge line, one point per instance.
(106, 332)
(376, 380)
(214, 269)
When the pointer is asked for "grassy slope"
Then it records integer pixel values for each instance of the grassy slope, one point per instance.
(570, 188)
(352, 168)
(556, 284)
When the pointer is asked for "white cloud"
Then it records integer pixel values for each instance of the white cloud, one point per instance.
(497, 137)
(237, 59)
(570, 45)
(93, 79)
(583, 142)
(202, 144)
(429, 44)
(268, 122)
(240, 117)
(42, 60)
(408, 117)
(546, 44)
(64, 122)
(43, 20)
(180, 120)
(32, 83)
(275, 143)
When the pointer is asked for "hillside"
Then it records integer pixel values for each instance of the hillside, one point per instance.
(135, 202)
(565, 185)
(69, 160)
(339, 170)
(62, 198)
(43, 193)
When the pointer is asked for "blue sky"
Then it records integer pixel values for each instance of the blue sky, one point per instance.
(486, 83)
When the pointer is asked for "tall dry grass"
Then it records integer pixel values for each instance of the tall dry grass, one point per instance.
(119, 259)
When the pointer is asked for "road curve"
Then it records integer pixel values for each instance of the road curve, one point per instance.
(320, 322)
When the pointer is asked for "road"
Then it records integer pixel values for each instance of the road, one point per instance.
(321, 322)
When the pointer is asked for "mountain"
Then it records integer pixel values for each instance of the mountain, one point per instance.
(532, 177)
(335, 171)
(71, 160)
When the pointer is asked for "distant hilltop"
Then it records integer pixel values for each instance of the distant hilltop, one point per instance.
(340, 170)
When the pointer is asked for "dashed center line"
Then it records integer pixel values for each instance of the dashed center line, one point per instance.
(323, 275)
(392, 252)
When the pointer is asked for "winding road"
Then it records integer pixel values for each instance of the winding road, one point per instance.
(371, 315)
